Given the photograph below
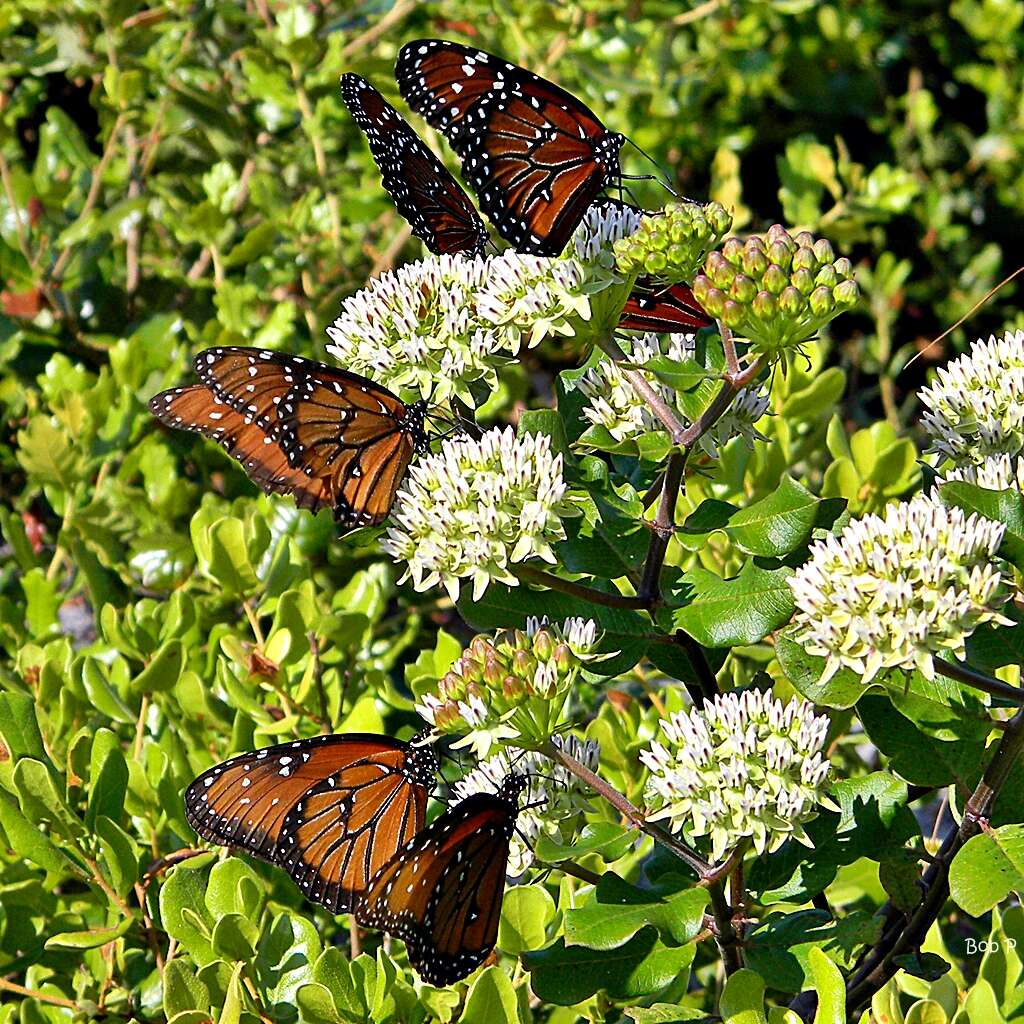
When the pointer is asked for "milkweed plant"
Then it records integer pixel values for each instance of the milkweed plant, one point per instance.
(759, 667)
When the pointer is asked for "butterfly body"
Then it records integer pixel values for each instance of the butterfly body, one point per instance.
(331, 810)
(535, 155)
(424, 191)
(441, 893)
(326, 436)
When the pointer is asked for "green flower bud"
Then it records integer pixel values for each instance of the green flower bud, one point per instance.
(791, 302)
(821, 301)
(718, 218)
(513, 688)
(755, 262)
(479, 648)
(846, 294)
(494, 671)
(732, 250)
(823, 251)
(719, 270)
(732, 313)
(843, 267)
(803, 280)
(543, 644)
(743, 288)
(655, 263)
(804, 240)
(827, 276)
(472, 669)
(452, 687)
(804, 259)
(524, 664)
(447, 717)
(775, 279)
(764, 305)
(779, 253)
(712, 300)
(565, 660)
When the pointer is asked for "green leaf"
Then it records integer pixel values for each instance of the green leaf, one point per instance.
(988, 868)
(491, 999)
(42, 600)
(19, 727)
(108, 778)
(616, 911)
(183, 907)
(40, 801)
(566, 975)
(526, 912)
(183, 990)
(734, 612)
(742, 1000)
(235, 937)
(804, 671)
(32, 844)
(93, 938)
(664, 1013)
(680, 375)
(777, 524)
(120, 855)
(606, 838)
(163, 671)
(828, 983)
(1002, 506)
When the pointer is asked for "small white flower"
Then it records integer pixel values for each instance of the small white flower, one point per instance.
(744, 766)
(602, 226)
(740, 420)
(996, 473)
(476, 508)
(560, 798)
(975, 408)
(531, 297)
(892, 591)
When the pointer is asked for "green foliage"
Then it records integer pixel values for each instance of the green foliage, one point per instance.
(180, 177)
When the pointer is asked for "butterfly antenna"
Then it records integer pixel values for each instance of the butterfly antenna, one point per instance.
(654, 177)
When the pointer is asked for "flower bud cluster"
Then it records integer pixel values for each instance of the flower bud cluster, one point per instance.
(975, 407)
(671, 246)
(893, 591)
(513, 684)
(554, 802)
(742, 767)
(477, 507)
(776, 291)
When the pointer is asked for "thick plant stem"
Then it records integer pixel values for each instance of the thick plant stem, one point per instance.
(725, 937)
(903, 934)
(979, 681)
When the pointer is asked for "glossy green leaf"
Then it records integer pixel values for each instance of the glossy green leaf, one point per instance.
(526, 912)
(491, 999)
(988, 868)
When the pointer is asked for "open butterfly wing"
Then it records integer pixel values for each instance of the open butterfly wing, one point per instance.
(275, 803)
(534, 154)
(199, 409)
(664, 309)
(441, 893)
(424, 191)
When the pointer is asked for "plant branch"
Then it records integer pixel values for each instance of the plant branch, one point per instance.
(531, 574)
(725, 937)
(905, 934)
(631, 813)
(569, 867)
(979, 681)
(43, 997)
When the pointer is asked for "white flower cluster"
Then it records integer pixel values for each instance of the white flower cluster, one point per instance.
(891, 591)
(742, 767)
(975, 408)
(475, 508)
(437, 325)
(615, 405)
(602, 226)
(996, 473)
(560, 798)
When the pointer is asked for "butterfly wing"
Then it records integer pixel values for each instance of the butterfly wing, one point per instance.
(345, 441)
(367, 793)
(534, 154)
(199, 409)
(441, 893)
(668, 309)
(424, 191)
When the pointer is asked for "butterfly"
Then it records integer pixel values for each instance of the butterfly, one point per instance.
(534, 154)
(441, 893)
(331, 810)
(330, 438)
(424, 191)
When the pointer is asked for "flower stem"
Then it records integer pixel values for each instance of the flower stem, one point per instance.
(725, 937)
(979, 681)
(631, 813)
(531, 574)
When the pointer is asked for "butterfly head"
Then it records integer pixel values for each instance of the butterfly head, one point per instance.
(512, 787)
(415, 420)
(606, 153)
